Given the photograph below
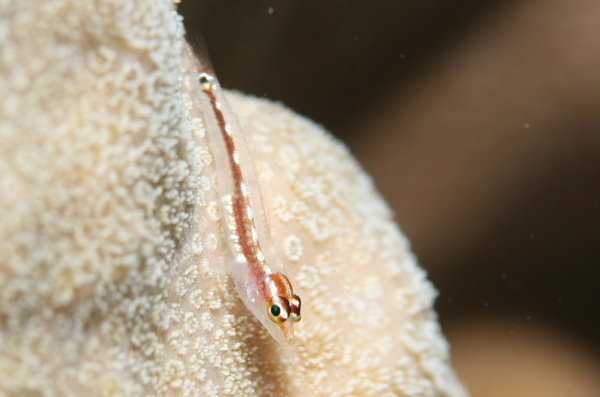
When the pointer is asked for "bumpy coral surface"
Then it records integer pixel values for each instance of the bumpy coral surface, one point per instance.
(112, 248)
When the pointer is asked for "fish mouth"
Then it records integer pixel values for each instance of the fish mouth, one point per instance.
(288, 332)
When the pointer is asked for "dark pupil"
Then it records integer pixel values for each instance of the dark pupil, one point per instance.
(275, 310)
(203, 80)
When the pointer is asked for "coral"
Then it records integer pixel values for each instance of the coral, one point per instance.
(111, 280)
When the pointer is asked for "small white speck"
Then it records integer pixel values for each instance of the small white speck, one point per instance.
(270, 10)
(527, 125)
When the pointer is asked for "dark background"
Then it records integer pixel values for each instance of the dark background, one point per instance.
(480, 124)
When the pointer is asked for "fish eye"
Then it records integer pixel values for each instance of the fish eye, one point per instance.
(278, 309)
(275, 310)
(295, 305)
